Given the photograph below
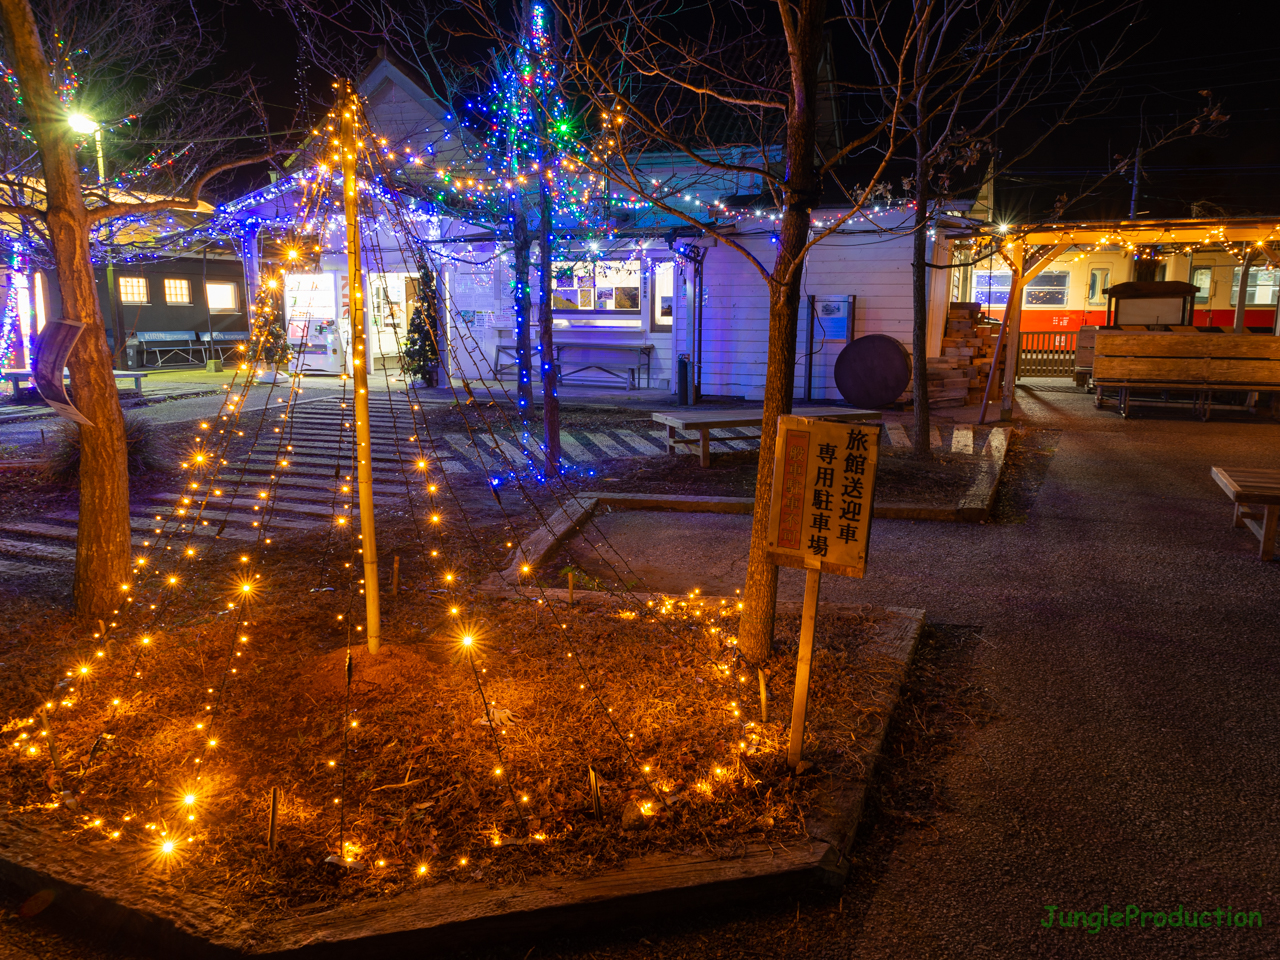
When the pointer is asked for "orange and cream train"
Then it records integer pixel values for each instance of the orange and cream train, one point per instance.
(1071, 292)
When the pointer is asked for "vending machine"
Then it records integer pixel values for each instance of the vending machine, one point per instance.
(311, 316)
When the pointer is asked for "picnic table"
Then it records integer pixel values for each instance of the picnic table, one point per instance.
(637, 361)
(18, 377)
(704, 421)
(1259, 488)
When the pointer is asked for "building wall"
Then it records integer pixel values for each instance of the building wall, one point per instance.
(872, 266)
(159, 315)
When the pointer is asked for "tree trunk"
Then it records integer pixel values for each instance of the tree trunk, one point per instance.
(801, 192)
(920, 306)
(522, 241)
(103, 548)
(550, 397)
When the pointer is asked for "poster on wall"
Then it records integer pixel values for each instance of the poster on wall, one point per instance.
(478, 319)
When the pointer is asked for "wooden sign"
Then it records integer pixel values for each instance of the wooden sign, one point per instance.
(824, 476)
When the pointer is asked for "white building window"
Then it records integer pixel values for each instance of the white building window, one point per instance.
(664, 295)
(134, 290)
(221, 297)
(177, 291)
(610, 289)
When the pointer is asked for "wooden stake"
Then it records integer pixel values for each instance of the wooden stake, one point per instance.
(571, 586)
(764, 696)
(812, 581)
(395, 575)
(271, 825)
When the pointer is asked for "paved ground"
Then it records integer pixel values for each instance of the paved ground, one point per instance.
(1130, 645)
(1124, 638)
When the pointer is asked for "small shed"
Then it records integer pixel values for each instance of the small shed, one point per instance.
(1150, 303)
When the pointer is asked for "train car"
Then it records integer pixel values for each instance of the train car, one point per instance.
(1071, 292)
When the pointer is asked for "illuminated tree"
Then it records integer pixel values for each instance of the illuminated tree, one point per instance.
(525, 177)
(421, 346)
(104, 56)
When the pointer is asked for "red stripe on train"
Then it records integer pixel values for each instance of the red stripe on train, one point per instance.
(1067, 320)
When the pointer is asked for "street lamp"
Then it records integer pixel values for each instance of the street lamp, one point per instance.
(85, 124)
(82, 123)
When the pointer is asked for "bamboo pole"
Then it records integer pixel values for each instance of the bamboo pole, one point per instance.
(812, 581)
(360, 367)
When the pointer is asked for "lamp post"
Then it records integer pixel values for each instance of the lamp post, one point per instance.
(81, 123)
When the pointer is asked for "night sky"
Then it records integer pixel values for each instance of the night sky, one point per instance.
(1228, 49)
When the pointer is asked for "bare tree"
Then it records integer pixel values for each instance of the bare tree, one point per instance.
(118, 61)
(729, 93)
(974, 71)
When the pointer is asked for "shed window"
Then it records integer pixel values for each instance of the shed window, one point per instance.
(222, 297)
(177, 291)
(134, 290)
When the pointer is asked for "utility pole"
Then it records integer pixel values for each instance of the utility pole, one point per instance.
(117, 323)
(360, 367)
(1137, 177)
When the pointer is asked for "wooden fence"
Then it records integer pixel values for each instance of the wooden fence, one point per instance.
(1047, 354)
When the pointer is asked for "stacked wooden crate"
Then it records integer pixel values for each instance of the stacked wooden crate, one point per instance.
(959, 376)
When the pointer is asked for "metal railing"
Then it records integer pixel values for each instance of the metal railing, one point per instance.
(1047, 354)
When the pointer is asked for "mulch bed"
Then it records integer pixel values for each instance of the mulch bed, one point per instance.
(651, 698)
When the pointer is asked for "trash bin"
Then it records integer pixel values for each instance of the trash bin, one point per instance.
(132, 354)
(682, 381)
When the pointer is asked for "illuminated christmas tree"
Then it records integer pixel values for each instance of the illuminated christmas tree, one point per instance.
(269, 342)
(421, 350)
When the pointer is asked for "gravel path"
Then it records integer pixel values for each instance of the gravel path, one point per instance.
(1094, 721)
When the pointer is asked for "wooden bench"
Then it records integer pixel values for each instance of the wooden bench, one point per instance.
(18, 377)
(1258, 488)
(704, 421)
(221, 343)
(1086, 339)
(1184, 361)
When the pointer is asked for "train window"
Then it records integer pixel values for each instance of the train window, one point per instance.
(991, 288)
(1049, 289)
(1099, 280)
(1202, 277)
(1262, 288)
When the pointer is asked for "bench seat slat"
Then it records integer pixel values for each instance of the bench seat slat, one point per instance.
(1244, 345)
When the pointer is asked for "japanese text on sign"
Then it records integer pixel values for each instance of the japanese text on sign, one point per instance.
(824, 475)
